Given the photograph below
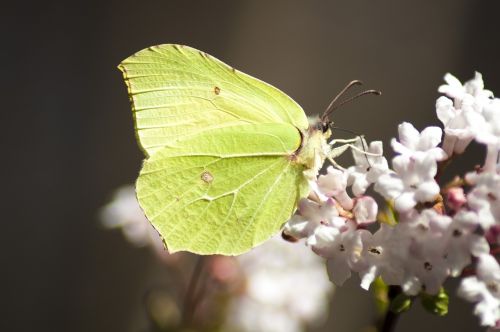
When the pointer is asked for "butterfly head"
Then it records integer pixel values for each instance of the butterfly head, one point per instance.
(323, 126)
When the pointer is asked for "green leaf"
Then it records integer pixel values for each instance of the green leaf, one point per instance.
(400, 303)
(436, 304)
(389, 215)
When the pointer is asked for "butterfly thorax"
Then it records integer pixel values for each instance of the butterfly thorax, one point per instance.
(313, 151)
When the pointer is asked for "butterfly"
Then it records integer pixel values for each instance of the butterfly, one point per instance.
(227, 156)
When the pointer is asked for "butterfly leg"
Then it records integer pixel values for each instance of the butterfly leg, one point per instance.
(348, 143)
(345, 141)
(335, 152)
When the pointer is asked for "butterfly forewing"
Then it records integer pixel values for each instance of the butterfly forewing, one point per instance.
(179, 91)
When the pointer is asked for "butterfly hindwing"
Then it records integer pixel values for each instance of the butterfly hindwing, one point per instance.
(222, 191)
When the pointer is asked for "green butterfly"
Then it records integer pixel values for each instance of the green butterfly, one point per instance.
(227, 155)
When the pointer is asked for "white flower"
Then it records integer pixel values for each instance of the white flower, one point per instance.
(367, 167)
(411, 142)
(473, 87)
(473, 114)
(424, 261)
(488, 132)
(342, 250)
(484, 288)
(333, 184)
(412, 182)
(310, 215)
(460, 242)
(484, 198)
(124, 212)
(382, 255)
(459, 124)
(365, 210)
(286, 288)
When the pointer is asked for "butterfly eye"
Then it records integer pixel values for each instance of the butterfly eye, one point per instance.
(324, 127)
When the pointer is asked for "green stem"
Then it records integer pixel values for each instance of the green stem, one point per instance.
(189, 299)
(388, 322)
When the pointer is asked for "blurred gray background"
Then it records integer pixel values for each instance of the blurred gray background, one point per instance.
(68, 137)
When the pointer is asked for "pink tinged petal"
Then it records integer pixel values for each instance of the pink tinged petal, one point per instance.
(365, 210)
(455, 198)
(405, 202)
(344, 200)
(493, 234)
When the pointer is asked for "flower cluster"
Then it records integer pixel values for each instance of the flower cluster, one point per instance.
(279, 294)
(429, 232)
(267, 289)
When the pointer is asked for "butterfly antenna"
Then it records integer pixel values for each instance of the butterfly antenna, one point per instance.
(331, 106)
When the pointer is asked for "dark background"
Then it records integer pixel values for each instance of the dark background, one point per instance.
(68, 141)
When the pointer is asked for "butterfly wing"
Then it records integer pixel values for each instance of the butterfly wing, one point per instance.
(178, 91)
(220, 175)
(223, 191)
